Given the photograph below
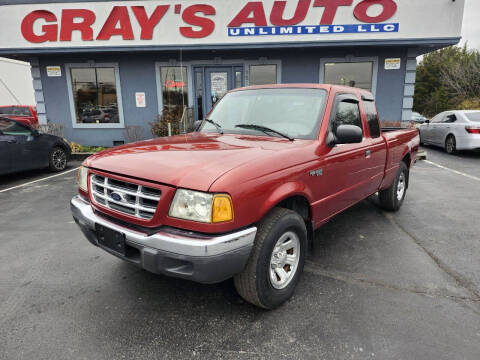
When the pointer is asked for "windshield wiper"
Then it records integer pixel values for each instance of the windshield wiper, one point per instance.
(217, 126)
(263, 129)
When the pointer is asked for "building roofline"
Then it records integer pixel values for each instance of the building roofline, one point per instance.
(433, 43)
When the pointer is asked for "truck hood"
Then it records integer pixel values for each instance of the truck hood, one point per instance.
(193, 161)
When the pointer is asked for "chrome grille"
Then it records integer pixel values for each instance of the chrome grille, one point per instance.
(125, 197)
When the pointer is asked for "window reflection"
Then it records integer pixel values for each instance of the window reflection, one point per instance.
(174, 90)
(199, 94)
(95, 95)
(263, 74)
(355, 74)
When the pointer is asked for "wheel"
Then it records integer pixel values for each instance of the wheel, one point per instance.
(58, 159)
(391, 199)
(276, 262)
(451, 145)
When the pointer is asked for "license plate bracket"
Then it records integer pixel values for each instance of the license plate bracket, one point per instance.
(111, 239)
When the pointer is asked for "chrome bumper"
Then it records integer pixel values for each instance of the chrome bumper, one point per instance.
(205, 259)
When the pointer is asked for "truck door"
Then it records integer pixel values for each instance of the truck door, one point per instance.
(345, 174)
(376, 155)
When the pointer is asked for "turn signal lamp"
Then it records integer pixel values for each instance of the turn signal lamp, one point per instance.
(222, 209)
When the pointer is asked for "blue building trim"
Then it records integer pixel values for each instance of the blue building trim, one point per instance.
(427, 44)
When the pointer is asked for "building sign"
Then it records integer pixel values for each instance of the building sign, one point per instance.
(393, 64)
(54, 71)
(186, 22)
(140, 100)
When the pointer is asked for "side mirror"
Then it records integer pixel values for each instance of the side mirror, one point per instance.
(349, 134)
(197, 124)
(35, 133)
(427, 121)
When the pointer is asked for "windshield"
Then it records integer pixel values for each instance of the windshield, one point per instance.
(296, 113)
(18, 111)
(473, 116)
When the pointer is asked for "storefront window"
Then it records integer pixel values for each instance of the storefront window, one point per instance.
(238, 79)
(354, 74)
(95, 95)
(263, 74)
(174, 90)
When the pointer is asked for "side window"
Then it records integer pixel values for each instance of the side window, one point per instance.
(450, 118)
(372, 118)
(12, 128)
(438, 118)
(346, 113)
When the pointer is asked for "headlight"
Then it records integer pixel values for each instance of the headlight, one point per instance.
(82, 178)
(201, 207)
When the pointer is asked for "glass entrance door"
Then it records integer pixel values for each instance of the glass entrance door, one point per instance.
(211, 85)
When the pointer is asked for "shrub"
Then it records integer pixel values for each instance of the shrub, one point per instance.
(171, 116)
(77, 148)
(50, 128)
(133, 133)
(470, 104)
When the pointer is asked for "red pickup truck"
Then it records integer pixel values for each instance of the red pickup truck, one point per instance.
(243, 195)
(25, 114)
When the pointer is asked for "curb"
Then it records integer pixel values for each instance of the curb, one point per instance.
(422, 155)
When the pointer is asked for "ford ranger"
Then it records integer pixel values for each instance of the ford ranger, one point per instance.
(242, 196)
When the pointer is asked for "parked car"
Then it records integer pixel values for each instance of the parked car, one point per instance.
(24, 148)
(97, 116)
(23, 113)
(418, 118)
(242, 197)
(453, 130)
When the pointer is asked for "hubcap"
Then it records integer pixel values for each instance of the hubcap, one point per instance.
(59, 159)
(401, 186)
(450, 145)
(284, 260)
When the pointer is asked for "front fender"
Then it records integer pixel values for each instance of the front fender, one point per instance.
(285, 191)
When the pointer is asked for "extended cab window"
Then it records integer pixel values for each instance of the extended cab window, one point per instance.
(346, 113)
(372, 118)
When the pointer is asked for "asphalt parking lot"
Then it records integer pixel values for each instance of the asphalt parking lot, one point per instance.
(376, 285)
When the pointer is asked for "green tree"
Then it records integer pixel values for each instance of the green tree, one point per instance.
(448, 79)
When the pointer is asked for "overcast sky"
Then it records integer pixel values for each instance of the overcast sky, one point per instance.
(471, 24)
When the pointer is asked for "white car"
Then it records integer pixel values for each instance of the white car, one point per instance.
(453, 130)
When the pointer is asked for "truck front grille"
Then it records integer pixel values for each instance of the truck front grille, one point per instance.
(125, 197)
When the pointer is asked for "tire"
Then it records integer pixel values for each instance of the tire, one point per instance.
(391, 199)
(255, 284)
(451, 145)
(58, 159)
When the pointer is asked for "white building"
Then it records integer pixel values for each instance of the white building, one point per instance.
(16, 87)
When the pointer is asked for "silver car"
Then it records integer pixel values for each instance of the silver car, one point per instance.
(453, 130)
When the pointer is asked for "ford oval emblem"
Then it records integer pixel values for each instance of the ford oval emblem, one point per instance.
(116, 196)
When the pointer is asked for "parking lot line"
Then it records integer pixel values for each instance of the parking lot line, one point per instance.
(451, 170)
(39, 180)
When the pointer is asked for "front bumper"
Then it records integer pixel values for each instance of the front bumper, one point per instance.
(187, 255)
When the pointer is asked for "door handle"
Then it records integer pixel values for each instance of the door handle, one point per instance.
(11, 141)
(368, 153)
